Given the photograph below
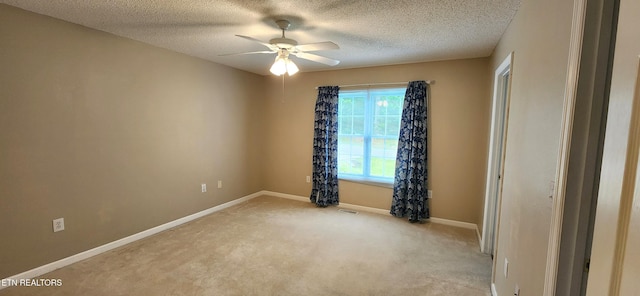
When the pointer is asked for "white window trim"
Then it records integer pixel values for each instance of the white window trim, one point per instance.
(369, 180)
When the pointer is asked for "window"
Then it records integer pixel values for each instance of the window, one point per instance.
(368, 129)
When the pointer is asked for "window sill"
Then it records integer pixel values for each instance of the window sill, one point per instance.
(366, 181)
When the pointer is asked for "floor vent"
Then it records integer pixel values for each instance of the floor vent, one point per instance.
(347, 211)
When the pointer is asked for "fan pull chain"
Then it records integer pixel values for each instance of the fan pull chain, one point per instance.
(283, 88)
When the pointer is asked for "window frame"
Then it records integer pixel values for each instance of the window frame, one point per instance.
(368, 133)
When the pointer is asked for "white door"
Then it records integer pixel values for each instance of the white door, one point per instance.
(493, 192)
(615, 256)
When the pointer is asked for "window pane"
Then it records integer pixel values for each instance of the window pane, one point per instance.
(345, 106)
(390, 152)
(357, 146)
(382, 167)
(358, 125)
(379, 125)
(393, 126)
(383, 157)
(395, 105)
(390, 148)
(376, 166)
(377, 147)
(342, 161)
(344, 145)
(350, 165)
(359, 106)
(381, 105)
(344, 125)
(350, 155)
(389, 167)
(356, 165)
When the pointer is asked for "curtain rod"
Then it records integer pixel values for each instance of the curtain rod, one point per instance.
(382, 83)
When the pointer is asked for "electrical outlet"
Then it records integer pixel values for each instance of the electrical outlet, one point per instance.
(506, 268)
(219, 184)
(58, 224)
(429, 194)
(308, 179)
(204, 187)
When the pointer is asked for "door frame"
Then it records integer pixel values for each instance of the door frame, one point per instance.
(586, 150)
(497, 149)
(562, 167)
(582, 140)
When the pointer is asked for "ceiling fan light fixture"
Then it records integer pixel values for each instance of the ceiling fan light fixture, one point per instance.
(291, 67)
(283, 64)
(279, 66)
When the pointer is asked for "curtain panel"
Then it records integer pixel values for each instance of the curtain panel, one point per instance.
(325, 148)
(410, 182)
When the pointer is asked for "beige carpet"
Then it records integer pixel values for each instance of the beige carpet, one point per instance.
(273, 246)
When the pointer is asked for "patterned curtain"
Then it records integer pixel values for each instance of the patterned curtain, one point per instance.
(325, 148)
(410, 184)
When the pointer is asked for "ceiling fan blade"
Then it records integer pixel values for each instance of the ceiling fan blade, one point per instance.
(270, 46)
(327, 45)
(316, 58)
(243, 53)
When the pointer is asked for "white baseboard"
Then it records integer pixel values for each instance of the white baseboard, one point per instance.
(38, 271)
(455, 223)
(287, 196)
(364, 209)
(466, 225)
(493, 290)
(341, 205)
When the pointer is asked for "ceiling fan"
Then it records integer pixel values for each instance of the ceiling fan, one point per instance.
(284, 47)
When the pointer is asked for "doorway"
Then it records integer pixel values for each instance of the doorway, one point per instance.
(497, 143)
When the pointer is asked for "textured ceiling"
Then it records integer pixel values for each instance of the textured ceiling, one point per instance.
(369, 32)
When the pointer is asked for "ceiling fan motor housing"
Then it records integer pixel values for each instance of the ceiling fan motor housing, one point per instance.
(283, 42)
(283, 24)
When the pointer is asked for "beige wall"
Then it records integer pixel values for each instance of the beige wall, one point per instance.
(539, 37)
(113, 135)
(459, 118)
(116, 136)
